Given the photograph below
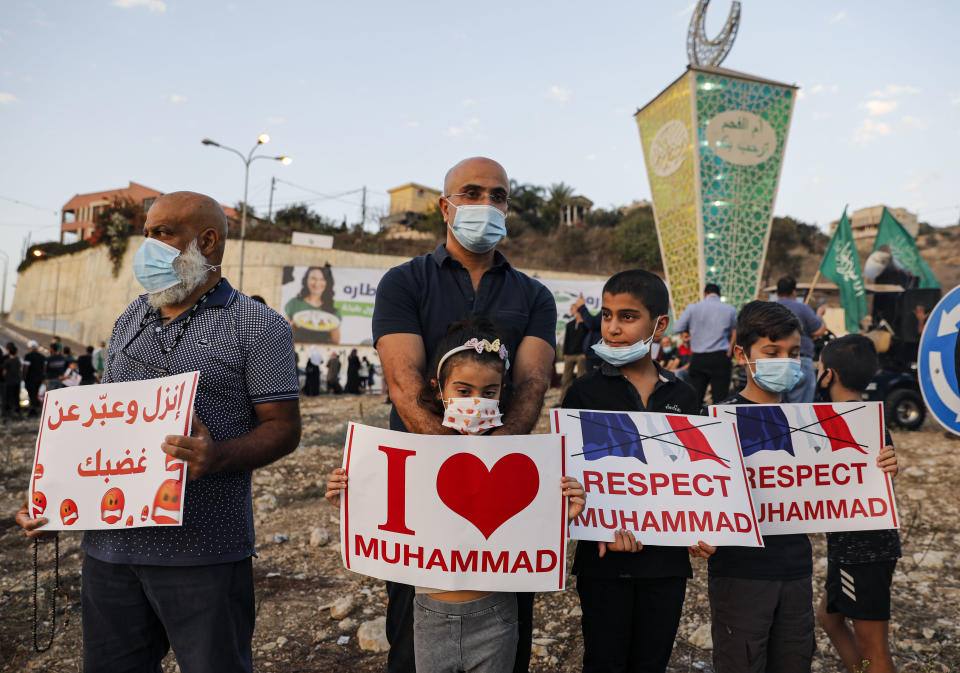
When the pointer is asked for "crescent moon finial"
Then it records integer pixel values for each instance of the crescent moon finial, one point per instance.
(703, 51)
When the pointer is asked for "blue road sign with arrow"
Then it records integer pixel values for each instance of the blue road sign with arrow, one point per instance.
(938, 360)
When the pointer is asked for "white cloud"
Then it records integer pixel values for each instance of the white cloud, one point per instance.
(413, 124)
(800, 94)
(955, 100)
(893, 90)
(276, 121)
(838, 17)
(817, 88)
(558, 93)
(177, 98)
(467, 102)
(912, 186)
(868, 130)
(591, 157)
(686, 11)
(7, 98)
(816, 179)
(914, 123)
(468, 127)
(879, 107)
(158, 6)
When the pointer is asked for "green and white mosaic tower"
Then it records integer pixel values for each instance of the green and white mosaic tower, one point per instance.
(713, 142)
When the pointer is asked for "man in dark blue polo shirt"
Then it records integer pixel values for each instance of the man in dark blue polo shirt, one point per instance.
(811, 327)
(191, 587)
(415, 303)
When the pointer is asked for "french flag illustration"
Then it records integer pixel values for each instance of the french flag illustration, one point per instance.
(763, 429)
(610, 435)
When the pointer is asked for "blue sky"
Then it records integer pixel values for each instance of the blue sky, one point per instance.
(94, 93)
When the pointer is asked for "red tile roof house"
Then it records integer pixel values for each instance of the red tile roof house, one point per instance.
(79, 213)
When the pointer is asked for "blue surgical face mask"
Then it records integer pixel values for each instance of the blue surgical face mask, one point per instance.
(478, 228)
(153, 265)
(776, 375)
(668, 349)
(619, 356)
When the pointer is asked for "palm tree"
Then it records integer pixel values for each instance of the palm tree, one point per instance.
(560, 194)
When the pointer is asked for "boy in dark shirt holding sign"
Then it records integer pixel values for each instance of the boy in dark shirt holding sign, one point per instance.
(860, 564)
(631, 601)
(761, 599)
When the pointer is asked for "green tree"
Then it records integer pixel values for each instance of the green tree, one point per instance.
(299, 217)
(526, 206)
(634, 240)
(557, 197)
(113, 225)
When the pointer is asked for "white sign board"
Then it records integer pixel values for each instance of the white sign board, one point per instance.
(813, 467)
(670, 479)
(311, 240)
(454, 512)
(565, 292)
(98, 462)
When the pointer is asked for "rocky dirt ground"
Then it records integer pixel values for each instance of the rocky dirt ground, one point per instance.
(313, 615)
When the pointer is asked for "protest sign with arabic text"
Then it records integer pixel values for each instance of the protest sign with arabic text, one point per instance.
(98, 462)
(670, 479)
(813, 467)
(455, 512)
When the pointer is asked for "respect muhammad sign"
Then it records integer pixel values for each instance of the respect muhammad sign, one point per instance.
(669, 479)
(455, 512)
(98, 462)
(812, 468)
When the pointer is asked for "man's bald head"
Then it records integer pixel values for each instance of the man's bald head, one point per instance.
(184, 216)
(467, 171)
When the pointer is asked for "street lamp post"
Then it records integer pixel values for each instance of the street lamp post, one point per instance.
(3, 293)
(56, 292)
(262, 139)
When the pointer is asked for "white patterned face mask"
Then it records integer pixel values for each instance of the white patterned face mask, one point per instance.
(471, 415)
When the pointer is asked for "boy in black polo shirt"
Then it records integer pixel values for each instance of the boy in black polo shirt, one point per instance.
(860, 564)
(631, 601)
(761, 599)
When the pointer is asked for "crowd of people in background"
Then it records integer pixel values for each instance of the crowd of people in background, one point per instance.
(700, 352)
(28, 376)
(361, 373)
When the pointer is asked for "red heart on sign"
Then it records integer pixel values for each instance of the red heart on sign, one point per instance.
(488, 498)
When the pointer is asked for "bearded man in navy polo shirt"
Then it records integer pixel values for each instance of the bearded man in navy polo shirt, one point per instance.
(190, 587)
(415, 303)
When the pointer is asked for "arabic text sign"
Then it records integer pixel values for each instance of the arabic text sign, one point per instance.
(98, 461)
(673, 480)
(813, 467)
(455, 512)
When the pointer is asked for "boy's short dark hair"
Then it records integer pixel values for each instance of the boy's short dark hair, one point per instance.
(768, 319)
(711, 288)
(786, 286)
(854, 358)
(647, 287)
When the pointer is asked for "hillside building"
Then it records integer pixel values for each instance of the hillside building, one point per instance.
(865, 222)
(79, 214)
(407, 203)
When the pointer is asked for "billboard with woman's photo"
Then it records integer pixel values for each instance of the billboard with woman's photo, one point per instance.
(330, 305)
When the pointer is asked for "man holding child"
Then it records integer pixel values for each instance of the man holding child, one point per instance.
(416, 301)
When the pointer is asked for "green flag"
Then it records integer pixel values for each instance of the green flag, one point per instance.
(904, 249)
(842, 265)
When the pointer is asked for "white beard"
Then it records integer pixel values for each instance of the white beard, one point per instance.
(192, 268)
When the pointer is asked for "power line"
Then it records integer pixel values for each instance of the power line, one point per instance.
(29, 205)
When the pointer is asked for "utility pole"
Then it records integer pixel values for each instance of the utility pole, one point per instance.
(273, 185)
(363, 208)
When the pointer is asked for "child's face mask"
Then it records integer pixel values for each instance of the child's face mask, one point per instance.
(471, 415)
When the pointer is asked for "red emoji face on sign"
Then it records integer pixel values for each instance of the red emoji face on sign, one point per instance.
(68, 512)
(144, 513)
(111, 507)
(38, 471)
(38, 504)
(166, 505)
